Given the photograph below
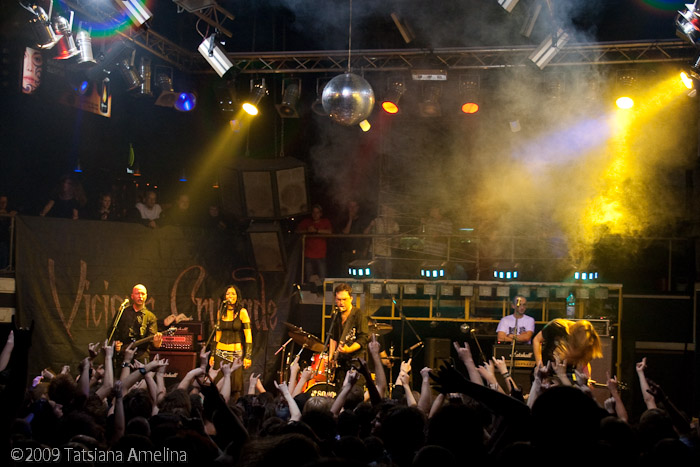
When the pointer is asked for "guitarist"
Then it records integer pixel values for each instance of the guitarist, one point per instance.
(348, 335)
(137, 322)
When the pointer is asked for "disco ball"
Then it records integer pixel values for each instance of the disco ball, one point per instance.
(348, 99)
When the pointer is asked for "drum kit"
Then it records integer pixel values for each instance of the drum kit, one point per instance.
(318, 385)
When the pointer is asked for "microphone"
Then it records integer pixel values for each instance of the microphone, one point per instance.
(414, 347)
(124, 303)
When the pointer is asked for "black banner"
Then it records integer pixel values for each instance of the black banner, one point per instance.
(73, 275)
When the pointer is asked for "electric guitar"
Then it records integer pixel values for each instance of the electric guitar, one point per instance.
(168, 332)
(333, 364)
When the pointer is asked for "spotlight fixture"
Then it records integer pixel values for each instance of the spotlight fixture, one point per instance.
(587, 274)
(182, 101)
(226, 98)
(548, 48)
(625, 88)
(430, 107)
(531, 16)
(145, 75)
(433, 269)
(365, 125)
(291, 90)
(129, 74)
(469, 92)
(360, 268)
(136, 10)
(688, 24)
(403, 27)
(84, 41)
(395, 89)
(41, 25)
(508, 5)
(257, 92)
(216, 57)
(506, 271)
(317, 106)
(66, 45)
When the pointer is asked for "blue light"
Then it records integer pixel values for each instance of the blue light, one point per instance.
(442, 273)
(185, 102)
(434, 273)
(367, 272)
(83, 87)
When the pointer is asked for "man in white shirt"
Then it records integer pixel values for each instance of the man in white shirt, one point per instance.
(526, 324)
(149, 210)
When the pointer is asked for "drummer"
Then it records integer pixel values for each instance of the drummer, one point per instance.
(348, 334)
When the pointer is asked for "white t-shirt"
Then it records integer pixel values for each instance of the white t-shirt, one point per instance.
(150, 214)
(507, 324)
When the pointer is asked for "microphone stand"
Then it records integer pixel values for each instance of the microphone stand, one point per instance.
(512, 347)
(122, 307)
(327, 342)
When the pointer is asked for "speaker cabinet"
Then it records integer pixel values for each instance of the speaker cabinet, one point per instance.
(436, 352)
(179, 363)
(600, 366)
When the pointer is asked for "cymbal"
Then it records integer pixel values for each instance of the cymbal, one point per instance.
(380, 328)
(306, 339)
(291, 326)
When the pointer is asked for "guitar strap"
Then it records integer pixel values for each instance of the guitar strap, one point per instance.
(347, 326)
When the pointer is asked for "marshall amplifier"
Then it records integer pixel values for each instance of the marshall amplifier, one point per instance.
(524, 356)
(184, 342)
(190, 327)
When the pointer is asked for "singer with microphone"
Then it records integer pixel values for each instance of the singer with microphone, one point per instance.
(521, 332)
(349, 334)
(134, 322)
(234, 338)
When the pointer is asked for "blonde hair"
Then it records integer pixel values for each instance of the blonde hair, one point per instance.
(581, 345)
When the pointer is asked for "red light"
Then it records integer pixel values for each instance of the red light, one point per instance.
(389, 107)
(470, 108)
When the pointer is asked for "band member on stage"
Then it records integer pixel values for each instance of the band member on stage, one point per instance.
(526, 324)
(349, 333)
(136, 323)
(234, 339)
(573, 342)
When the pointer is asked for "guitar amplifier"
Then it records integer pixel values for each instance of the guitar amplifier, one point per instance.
(524, 356)
(190, 327)
(182, 342)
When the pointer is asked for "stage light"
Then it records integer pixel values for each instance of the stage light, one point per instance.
(587, 274)
(508, 5)
(66, 45)
(185, 102)
(131, 78)
(506, 271)
(625, 88)
(225, 97)
(291, 90)
(216, 57)
(258, 91)
(360, 268)
(41, 25)
(136, 10)
(433, 270)
(687, 80)
(317, 106)
(145, 75)
(182, 101)
(430, 106)
(469, 93)
(365, 125)
(548, 48)
(84, 41)
(395, 89)
(688, 24)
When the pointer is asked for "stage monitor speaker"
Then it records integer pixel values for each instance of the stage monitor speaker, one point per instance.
(179, 363)
(267, 246)
(600, 366)
(264, 188)
(437, 351)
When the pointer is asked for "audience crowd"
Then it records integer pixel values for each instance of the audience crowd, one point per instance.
(98, 413)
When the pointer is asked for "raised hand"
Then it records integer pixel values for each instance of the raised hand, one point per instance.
(129, 352)
(226, 369)
(425, 372)
(406, 366)
(108, 350)
(373, 345)
(500, 364)
(641, 366)
(464, 353)
(93, 349)
(351, 377)
(612, 383)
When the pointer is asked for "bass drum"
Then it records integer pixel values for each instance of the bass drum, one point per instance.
(321, 390)
(319, 366)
